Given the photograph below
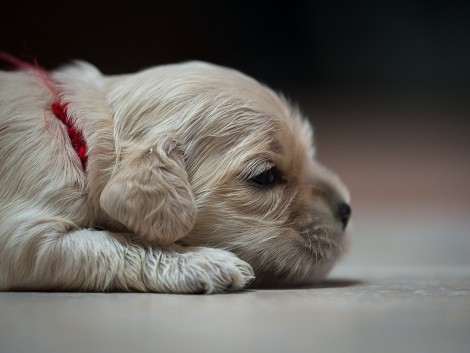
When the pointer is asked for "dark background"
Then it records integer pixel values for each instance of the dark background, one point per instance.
(386, 83)
(340, 45)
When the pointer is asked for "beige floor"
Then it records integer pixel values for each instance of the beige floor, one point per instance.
(404, 286)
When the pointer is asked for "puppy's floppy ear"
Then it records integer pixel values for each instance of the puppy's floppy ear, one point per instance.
(150, 193)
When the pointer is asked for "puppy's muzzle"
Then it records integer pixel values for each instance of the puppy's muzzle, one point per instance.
(343, 212)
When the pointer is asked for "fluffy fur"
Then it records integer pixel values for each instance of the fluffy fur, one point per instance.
(168, 202)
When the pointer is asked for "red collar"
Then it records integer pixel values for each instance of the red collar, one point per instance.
(76, 137)
(58, 108)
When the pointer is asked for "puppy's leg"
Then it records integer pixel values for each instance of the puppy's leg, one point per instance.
(150, 192)
(47, 255)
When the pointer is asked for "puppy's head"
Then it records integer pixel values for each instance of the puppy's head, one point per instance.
(251, 165)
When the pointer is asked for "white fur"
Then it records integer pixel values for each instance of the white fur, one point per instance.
(170, 153)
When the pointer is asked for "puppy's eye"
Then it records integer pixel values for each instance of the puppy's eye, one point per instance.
(266, 178)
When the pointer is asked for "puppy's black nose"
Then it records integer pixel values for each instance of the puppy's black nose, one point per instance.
(344, 213)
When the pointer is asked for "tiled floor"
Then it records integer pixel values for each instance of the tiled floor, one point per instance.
(404, 287)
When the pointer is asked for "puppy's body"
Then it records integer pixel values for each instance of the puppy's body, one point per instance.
(195, 175)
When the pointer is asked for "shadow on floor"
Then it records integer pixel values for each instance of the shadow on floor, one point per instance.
(330, 283)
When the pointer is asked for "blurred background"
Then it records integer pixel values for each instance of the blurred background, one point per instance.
(386, 84)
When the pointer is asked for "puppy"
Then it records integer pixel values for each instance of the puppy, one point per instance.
(186, 178)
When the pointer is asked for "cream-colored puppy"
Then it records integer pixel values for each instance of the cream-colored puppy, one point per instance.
(196, 179)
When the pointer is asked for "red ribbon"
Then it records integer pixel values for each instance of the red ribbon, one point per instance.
(58, 108)
(76, 137)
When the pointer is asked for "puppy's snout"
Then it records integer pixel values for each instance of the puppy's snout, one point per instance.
(343, 212)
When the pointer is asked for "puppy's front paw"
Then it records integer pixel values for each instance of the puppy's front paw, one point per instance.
(206, 270)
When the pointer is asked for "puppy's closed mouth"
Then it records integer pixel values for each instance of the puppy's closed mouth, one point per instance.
(322, 241)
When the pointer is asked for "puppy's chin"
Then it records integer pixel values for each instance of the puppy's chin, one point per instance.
(306, 259)
(312, 269)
